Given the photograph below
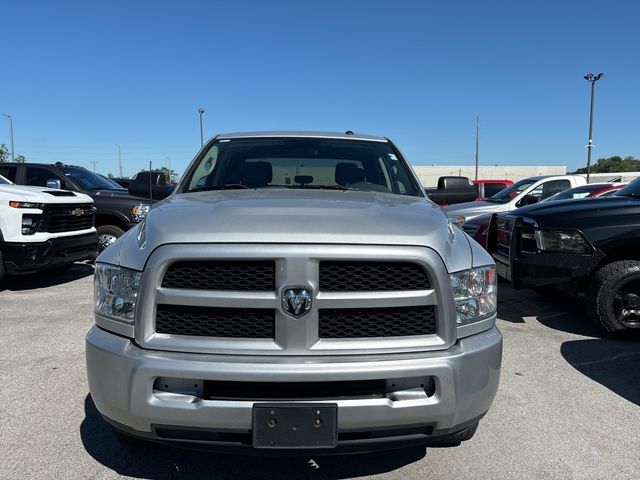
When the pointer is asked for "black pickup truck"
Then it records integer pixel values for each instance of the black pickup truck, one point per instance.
(116, 209)
(589, 249)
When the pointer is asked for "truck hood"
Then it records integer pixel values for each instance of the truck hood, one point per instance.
(41, 194)
(583, 214)
(473, 209)
(124, 193)
(297, 217)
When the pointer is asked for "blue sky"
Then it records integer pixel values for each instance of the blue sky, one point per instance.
(78, 77)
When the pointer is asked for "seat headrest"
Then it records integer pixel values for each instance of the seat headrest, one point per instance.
(256, 174)
(348, 174)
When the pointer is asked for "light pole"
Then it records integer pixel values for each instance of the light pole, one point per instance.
(119, 160)
(169, 160)
(590, 77)
(94, 165)
(201, 111)
(10, 135)
(477, 144)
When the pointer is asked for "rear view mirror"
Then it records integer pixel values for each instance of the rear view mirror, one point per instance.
(54, 183)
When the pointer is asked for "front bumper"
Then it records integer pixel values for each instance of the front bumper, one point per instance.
(122, 375)
(20, 258)
(542, 269)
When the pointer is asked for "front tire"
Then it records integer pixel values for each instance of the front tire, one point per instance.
(107, 235)
(613, 296)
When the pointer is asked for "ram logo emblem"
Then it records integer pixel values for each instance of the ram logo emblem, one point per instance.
(296, 301)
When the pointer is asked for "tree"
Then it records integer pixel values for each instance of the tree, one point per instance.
(110, 175)
(5, 156)
(613, 164)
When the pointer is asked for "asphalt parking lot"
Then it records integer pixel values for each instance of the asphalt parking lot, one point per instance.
(567, 407)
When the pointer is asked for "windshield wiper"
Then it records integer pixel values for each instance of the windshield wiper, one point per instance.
(325, 187)
(226, 186)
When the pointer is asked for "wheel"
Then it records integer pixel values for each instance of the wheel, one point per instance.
(613, 296)
(107, 234)
(126, 439)
(457, 438)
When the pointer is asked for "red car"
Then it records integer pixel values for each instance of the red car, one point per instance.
(477, 228)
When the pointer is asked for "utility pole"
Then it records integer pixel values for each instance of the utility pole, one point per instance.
(477, 144)
(119, 161)
(11, 135)
(94, 165)
(590, 77)
(201, 111)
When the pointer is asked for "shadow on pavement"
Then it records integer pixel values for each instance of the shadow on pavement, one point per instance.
(47, 278)
(155, 461)
(612, 363)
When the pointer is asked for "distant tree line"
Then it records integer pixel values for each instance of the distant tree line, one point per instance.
(5, 156)
(613, 164)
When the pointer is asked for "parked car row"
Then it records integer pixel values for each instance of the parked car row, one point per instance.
(582, 242)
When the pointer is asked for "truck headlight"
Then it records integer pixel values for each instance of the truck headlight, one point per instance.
(139, 211)
(30, 224)
(476, 294)
(116, 291)
(16, 204)
(561, 241)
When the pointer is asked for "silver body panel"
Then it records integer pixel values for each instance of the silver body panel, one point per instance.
(121, 378)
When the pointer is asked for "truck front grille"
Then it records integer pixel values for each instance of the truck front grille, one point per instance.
(237, 299)
(371, 276)
(215, 322)
(221, 275)
(377, 322)
(66, 218)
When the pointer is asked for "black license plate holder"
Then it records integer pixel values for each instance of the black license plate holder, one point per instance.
(296, 426)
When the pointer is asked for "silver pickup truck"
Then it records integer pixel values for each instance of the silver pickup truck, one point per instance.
(296, 292)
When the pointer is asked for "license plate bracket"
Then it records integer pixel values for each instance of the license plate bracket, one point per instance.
(279, 425)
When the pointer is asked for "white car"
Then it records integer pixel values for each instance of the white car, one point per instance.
(43, 228)
(524, 192)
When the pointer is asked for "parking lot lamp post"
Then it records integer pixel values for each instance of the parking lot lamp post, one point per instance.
(590, 77)
(201, 111)
(119, 160)
(10, 135)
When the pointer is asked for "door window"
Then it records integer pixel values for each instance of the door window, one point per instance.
(38, 176)
(8, 172)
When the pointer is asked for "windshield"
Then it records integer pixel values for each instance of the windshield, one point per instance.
(89, 180)
(320, 163)
(509, 193)
(576, 193)
(631, 190)
(4, 181)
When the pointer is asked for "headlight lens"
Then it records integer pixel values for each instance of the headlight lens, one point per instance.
(139, 211)
(16, 204)
(476, 294)
(561, 241)
(116, 291)
(30, 224)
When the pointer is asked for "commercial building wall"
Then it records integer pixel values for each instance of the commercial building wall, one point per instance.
(429, 174)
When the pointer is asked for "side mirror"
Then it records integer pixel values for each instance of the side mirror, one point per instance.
(54, 183)
(527, 200)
